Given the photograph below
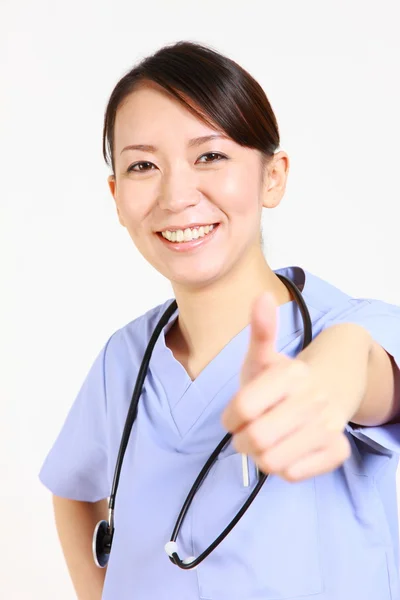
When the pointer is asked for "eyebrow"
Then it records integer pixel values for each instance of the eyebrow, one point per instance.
(197, 141)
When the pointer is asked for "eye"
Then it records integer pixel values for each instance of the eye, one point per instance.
(142, 167)
(212, 154)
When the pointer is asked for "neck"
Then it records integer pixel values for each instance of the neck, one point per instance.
(211, 316)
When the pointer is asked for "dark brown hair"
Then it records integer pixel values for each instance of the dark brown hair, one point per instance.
(213, 87)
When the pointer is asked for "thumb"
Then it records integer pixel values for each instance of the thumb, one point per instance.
(263, 333)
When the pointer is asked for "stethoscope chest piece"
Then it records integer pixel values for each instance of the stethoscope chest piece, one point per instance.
(101, 546)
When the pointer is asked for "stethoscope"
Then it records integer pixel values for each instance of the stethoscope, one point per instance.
(104, 531)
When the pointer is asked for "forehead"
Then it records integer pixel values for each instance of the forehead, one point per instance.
(150, 113)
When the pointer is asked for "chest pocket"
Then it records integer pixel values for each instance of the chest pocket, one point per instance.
(272, 553)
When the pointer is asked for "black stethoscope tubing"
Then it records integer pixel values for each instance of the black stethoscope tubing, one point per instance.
(104, 532)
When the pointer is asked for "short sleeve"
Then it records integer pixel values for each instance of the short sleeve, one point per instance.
(382, 321)
(76, 466)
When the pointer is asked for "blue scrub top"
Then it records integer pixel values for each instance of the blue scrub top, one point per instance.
(332, 537)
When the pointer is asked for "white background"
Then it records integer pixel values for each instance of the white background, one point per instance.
(70, 275)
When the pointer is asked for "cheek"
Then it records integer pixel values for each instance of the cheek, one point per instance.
(238, 193)
(133, 208)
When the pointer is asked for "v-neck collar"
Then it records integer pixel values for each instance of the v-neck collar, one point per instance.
(188, 399)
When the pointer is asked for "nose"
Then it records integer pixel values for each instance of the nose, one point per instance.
(178, 191)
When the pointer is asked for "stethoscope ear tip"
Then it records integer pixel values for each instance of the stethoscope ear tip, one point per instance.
(101, 545)
(171, 548)
(188, 560)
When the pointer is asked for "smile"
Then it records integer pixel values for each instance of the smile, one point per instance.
(188, 234)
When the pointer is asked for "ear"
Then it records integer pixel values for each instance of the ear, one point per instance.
(112, 184)
(274, 182)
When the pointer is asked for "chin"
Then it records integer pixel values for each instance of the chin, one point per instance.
(195, 279)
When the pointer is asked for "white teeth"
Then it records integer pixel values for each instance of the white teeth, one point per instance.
(187, 234)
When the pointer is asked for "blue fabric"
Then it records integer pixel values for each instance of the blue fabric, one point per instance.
(333, 537)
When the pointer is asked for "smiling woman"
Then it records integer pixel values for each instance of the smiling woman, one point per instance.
(192, 144)
(189, 148)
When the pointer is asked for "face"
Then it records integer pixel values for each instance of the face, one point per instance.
(192, 206)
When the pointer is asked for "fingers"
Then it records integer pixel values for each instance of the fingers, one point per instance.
(289, 419)
(320, 462)
(308, 452)
(263, 331)
(264, 392)
(295, 439)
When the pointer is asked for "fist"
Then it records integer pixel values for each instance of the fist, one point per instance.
(283, 415)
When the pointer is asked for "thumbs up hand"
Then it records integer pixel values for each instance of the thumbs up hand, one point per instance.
(285, 416)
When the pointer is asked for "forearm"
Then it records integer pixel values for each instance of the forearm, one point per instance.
(358, 371)
(75, 523)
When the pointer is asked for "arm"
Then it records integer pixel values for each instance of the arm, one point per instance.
(291, 414)
(75, 523)
(346, 356)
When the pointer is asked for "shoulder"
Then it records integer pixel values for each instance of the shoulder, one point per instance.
(329, 305)
(332, 301)
(319, 293)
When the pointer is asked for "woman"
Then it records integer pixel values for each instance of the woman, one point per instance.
(192, 143)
